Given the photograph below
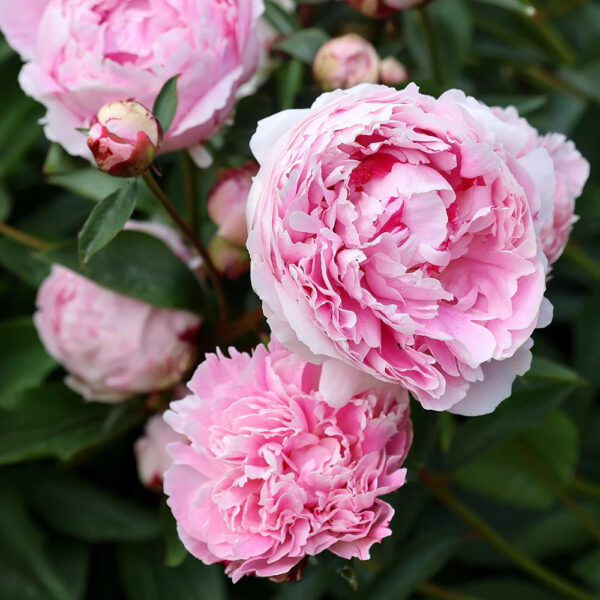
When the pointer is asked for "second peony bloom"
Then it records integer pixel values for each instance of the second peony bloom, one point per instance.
(397, 237)
(269, 473)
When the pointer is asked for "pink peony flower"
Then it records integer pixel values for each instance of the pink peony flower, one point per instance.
(383, 8)
(392, 71)
(395, 233)
(151, 451)
(272, 473)
(124, 138)
(113, 346)
(571, 173)
(344, 62)
(81, 55)
(227, 202)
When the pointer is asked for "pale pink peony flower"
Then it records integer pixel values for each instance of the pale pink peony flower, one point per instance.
(393, 236)
(383, 8)
(227, 202)
(124, 138)
(81, 55)
(113, 346)
(392, 71)
(571, 172)
(271, 473)
(151, 451)
(344, 62)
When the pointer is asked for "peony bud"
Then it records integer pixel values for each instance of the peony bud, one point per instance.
(125, 138)
(383, 8)
(229, 259)
(151, 451)
(392, 71)
(227, 202)
(344, 62)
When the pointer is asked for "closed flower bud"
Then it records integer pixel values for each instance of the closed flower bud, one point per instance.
(392, 71)
(125, 138)
(229, 259)
(344, 62)
(227, 202)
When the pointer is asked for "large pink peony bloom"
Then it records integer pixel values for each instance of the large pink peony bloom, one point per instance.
(272, 473)
(82, 54)
(113, 346)
(396, 234)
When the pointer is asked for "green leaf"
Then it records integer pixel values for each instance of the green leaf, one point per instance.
(587, 569)
(501, 589)
(289, 80)
(504, 474)
(6, 203)
(145, 577)
(303, 44)
(52, 420)
(165, 105)
(548, 370)
(85, 512)
(281, 20)
(106, 220)
(24, 363)
(140, 266)
(175, 552)
(18, 259)
(523, 7)
(426, 424)
(525, 408)
(71, 561)
(419, 560)
(340, 566)
(22, 544)
(88, 183)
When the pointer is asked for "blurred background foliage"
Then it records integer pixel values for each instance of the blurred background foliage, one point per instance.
(501, 506)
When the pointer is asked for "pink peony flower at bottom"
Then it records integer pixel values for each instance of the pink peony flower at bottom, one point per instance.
(271, 473)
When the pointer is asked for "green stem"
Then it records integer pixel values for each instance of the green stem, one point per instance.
(558, 490)
(432, 45)
(189, 183)
(526, 564)
(582, 260)
(24, 238)
(586, 488)
(194, 240)
(435, 591)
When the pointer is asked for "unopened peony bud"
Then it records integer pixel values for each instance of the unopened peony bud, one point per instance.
(227, 202)
(392, 71)
(229, 259)
(125, 138)
(383, 8)
(151, 451)
(344, 62)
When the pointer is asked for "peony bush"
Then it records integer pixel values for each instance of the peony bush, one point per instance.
(299, 299)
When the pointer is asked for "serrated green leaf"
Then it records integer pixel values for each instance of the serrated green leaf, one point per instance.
(106, 220)
(165, 105)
